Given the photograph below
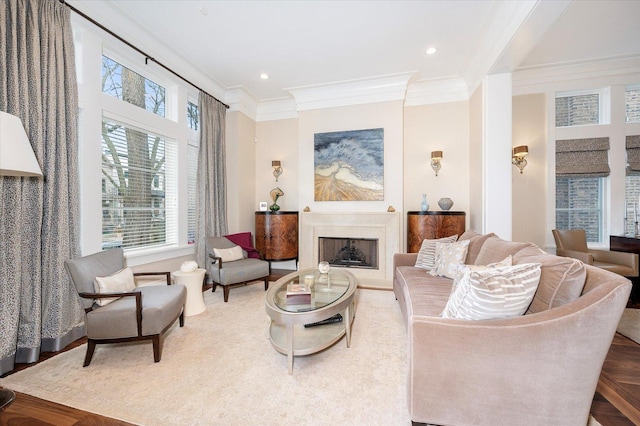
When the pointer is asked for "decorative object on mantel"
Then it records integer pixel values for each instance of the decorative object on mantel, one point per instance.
(391, 209)
(275, 194)
(425, 205)
(445, 203)
(306, 209)
(436, 156)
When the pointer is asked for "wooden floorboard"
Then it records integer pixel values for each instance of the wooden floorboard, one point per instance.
(617, 402)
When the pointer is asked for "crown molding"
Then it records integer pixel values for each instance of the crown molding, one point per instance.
(576, 76)
(437, 91)
(239, 99)
(277, 109)
(355, 92)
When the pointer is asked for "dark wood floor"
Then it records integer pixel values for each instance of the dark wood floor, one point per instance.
(617, 402)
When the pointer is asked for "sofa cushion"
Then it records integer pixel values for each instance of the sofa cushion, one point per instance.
(561, 281)
(476, 240)
(449, 257)
(490, 293)
(427, 253)
(495, 249)
(425, 295)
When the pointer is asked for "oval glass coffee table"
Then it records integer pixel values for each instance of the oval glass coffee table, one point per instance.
(297, 302)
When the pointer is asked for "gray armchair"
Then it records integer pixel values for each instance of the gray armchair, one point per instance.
(235, 273)
(573, 243)
(143, 313)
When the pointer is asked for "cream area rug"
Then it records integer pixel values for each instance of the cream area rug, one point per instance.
(220, 369)
(630, 324)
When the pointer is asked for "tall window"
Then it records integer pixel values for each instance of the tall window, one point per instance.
(139, 167)
(582, 164)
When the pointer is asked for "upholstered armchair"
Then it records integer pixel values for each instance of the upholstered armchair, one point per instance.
(573, 243)
(229, 266)
(117, 310)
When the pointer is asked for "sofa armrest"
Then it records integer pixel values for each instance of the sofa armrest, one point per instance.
(404, 259)
(580, 255)
(544, 365)
(618, 257)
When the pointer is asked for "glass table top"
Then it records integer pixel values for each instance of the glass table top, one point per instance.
(310, 290)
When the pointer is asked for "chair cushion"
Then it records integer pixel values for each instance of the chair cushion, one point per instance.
(83, 270)
(239, 271)
(120, 282)
(229, 254)
(161, 304)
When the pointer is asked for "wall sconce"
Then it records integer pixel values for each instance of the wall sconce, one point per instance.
(436, 156)
(277, 169)
(16, 154)
(518, 160)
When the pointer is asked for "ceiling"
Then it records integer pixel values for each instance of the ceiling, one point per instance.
(310, 43)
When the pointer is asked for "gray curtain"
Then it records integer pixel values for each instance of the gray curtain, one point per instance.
(582, 157)
(211, 182)
(39, 309)
(633, 155)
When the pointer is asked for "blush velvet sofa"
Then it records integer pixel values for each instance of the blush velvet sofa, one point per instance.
(540, 368)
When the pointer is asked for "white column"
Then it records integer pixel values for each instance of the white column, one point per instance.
(496, 154)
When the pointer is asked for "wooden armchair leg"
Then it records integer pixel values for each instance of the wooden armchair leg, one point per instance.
(91, 347)
(226, 292)
(266, 284)
(157, 347)
(182, 318)
(213, 287)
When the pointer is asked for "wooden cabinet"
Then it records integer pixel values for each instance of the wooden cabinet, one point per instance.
(431, 225)
(277, 235)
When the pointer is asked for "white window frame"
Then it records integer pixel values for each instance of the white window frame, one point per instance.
(604, 105)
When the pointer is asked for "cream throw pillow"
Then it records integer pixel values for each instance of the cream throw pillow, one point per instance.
(427, 254)
(230, 254)
(498, 292)
(449, 257)
(120, 282)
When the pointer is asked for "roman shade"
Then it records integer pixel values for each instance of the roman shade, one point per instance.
(633, 155)
(582, 157)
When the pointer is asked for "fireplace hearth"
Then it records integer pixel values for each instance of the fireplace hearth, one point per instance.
(349, 252)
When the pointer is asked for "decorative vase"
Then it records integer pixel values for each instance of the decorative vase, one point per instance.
(274, 207)
(424, 206)
(445, 203)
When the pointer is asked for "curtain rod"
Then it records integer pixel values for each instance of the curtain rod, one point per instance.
(146, 57)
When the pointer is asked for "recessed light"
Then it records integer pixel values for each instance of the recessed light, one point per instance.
(264, 76)
(431, 50)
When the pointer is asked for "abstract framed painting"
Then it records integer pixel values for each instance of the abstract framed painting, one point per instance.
(349, 165)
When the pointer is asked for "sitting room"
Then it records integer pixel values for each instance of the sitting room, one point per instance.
(211, 206)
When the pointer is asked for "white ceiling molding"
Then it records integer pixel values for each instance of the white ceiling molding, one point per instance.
(436, 92)
(576, 76)
(355, 92)
(532, 30)
(240, 100)
(506, 19)
(277, 109)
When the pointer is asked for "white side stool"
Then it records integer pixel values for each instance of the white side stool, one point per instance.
(193, 282)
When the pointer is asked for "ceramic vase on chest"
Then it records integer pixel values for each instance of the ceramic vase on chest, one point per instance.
(425, 205)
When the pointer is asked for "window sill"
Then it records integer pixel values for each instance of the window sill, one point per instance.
(136, 257)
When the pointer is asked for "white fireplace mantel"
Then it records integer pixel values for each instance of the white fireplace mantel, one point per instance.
(383, 226)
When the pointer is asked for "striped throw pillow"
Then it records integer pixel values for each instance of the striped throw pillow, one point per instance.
(490, 293)
(427, 254)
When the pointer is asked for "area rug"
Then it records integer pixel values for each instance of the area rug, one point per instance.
(629, 325)
(220, 368)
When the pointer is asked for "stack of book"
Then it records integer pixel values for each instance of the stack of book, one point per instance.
(298, 294)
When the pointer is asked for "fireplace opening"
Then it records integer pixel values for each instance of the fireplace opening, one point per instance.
(349, 252)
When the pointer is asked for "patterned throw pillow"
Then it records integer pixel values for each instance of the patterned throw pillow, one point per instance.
(120, 282)
(449, 257)
(427, 254)
(500, 292)
(230, 254)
